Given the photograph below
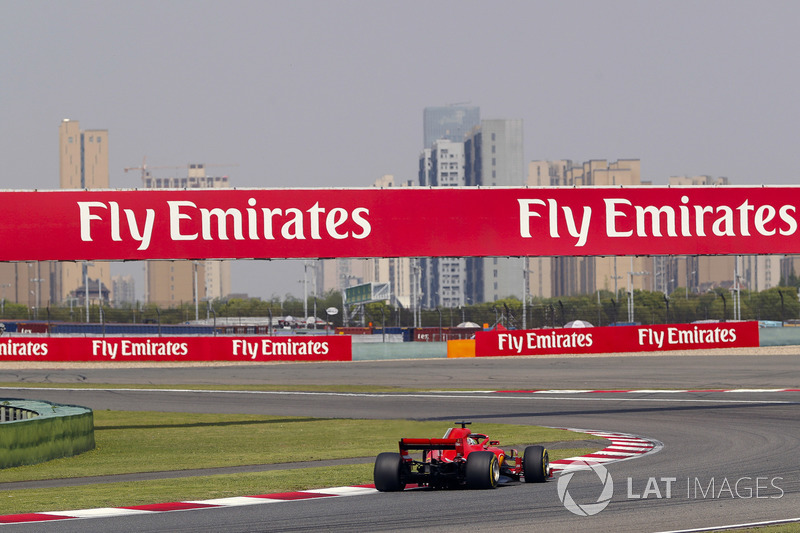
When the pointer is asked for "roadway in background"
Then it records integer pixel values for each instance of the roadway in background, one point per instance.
(775, 367)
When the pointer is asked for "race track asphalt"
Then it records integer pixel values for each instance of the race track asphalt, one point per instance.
(718, 447)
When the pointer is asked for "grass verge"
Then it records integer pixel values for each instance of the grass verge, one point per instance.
(783, 528)
(195, 488)
(130, 442)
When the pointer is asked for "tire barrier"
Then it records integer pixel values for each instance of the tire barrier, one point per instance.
(36, 431)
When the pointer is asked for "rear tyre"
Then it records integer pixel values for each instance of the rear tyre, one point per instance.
(535, 464)
(482, 470)
(388, 472)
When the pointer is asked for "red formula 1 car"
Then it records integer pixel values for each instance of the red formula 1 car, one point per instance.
(459, 459)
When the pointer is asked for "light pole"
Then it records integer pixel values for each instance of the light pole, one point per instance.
(36, 299)
(3, 301)
(416, 291)
(196, 305)
(631, 273)
(736, 290)
(526, 289)
(86, 265)
(305, 293)
(616, 277)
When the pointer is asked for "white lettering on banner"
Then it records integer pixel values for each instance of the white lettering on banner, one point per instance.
(692, 222)
(535, 341)
(270, 347)
(12, 347)
(248, 349)
(525, 214)
(684, 220)
(291, 347)
(232, 223)
(126, 348)
(675, 336)
(142, 236)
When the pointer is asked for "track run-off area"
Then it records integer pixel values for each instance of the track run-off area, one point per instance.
(726, 424)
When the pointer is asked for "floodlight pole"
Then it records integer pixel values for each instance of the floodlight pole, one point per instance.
(524, 291)
(86, 287)
(305, 292)
(631, 273)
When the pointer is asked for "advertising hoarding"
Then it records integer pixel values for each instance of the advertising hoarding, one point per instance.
(617, 339)
(408, 222)
(177, 349)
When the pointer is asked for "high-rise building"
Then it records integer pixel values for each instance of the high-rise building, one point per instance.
(31, 283)
(83, 157)
(695, 273)
(700, 273)
(83, 164)
(675, 181)
(585, 275)
(338, 274)
(435, 281)
(172, 283)
(494, 156)
(442, 279)
(123, 290)
(452, 122)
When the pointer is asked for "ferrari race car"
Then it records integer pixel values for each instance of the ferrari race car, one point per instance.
(459, 459)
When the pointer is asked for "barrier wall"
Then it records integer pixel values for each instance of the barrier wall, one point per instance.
(374, 351)
(222, 348)
(617, 339)
(296, 348)
(789, 336)
(56, 431)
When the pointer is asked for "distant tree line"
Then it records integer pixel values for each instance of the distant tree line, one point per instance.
(602, 308)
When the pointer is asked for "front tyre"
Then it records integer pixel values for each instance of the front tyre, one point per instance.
(388, 472)
(482, 470)
(535, 464)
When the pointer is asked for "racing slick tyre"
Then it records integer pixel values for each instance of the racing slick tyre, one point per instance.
(388, 472)
(535, 464)
(482, 471)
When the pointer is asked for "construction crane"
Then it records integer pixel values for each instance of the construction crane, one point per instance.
(190, 166)
(146, 169)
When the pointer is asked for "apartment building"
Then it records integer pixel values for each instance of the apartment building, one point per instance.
(123, 290)
(585, 275)
(83, 164)
(450, 122)
(172, 283)
(442, 279)
(398, 272)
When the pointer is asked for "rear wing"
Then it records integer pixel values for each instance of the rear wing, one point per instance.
(430, 444)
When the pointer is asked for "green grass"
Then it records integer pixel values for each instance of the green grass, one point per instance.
(784, 528)
(129, 442)
(183, 489)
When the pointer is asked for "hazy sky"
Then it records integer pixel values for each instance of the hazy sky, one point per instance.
(331, 93)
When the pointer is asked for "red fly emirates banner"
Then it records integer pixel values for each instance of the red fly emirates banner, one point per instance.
(258, 349)
(617, 339)
(457, 222)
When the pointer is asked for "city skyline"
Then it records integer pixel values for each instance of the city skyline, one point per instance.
(313, 94)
